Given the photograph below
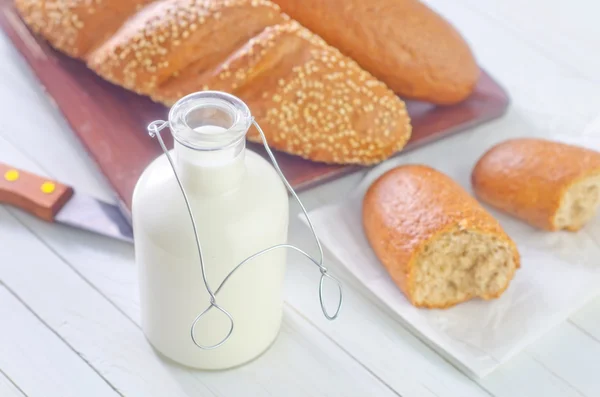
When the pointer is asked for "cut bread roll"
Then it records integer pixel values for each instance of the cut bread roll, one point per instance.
(437, 243)
(550, 185)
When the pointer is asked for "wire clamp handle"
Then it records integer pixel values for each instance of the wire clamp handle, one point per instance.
(154, 129)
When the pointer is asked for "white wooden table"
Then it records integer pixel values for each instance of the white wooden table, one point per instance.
(69, 312)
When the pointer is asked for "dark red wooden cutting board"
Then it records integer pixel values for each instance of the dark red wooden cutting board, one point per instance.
(111, 122)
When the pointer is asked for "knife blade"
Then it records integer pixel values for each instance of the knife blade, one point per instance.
(53, 201)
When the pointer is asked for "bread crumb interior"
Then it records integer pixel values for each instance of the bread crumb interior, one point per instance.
(460, 265)
(579, 205)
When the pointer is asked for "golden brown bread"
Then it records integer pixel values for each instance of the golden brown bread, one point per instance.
(550, 185)
(76, 27)
(437, 243)
(164, 39)
(401, 42)
(310, 100)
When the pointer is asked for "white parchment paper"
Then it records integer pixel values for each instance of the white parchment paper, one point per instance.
(559, 273)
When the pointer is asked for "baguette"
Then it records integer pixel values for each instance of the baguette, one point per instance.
(311, 100)
(550, 185)
(403, 43)
(437, 243)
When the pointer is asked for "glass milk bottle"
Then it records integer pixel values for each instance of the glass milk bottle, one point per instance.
(240, 207)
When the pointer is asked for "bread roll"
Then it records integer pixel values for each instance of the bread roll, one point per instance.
(550, 185)
(437, 243)
(401, 42)
(310, 100)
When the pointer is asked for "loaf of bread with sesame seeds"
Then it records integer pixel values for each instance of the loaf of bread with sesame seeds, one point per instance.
(310, 100)
(403, 43)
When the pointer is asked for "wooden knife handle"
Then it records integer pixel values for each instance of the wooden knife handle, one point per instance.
(35, 194)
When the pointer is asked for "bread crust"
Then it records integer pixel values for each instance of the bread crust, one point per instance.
(76, 27)
(310, 100)
(403, 43)
(528, 178)
(410, 206)
(165, 38)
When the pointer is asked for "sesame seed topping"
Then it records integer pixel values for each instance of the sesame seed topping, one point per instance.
(316, 106)
(165, 30)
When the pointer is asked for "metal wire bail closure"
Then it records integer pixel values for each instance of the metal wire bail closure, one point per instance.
(154, 129)
(328, 316)
(197, 319)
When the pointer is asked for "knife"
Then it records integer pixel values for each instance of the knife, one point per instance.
(53, 201)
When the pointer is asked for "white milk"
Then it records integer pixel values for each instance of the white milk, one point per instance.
(241, 207)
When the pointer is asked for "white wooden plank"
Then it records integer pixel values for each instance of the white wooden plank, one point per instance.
(321, 370)
(36, 359)
(8, 388)
(523, 376)
(114, 345)
(588, 319)
(576, 361)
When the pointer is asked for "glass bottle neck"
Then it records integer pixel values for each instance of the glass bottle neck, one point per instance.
(209, 129)
(211, 171)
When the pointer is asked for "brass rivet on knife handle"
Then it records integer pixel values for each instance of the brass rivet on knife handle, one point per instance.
(32, 193)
